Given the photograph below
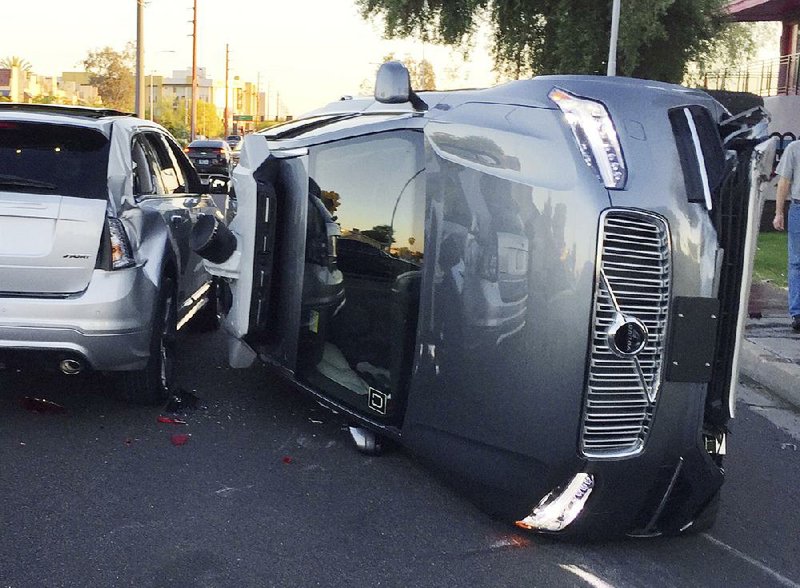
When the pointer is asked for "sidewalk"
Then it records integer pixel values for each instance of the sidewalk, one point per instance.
(771, 349)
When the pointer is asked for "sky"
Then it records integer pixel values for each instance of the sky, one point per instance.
(310, 52)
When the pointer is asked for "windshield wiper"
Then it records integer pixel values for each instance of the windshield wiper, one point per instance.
(20, 182)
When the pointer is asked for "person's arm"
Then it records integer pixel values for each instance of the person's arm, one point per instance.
(780, 202)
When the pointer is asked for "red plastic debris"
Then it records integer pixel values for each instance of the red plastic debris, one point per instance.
(41, 406)
(180, 438)
(170, 421)
(287, 459)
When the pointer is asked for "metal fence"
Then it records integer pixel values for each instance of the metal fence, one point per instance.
(771, 77)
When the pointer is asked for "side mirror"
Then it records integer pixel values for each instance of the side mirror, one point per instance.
(218, 184)
(393, 83)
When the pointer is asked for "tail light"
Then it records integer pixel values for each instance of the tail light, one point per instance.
(596, 135)
(121, 251)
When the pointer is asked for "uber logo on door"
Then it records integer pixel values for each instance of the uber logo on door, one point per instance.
(378, 401)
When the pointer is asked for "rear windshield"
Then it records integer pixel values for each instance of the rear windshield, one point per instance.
(206, 145)
(53, 159)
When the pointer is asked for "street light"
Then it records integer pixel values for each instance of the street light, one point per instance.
(612, 46)
(140, 58)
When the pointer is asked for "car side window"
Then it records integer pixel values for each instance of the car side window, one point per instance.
(144, 177)
(190, 182)
(170, 174)
(375, 187)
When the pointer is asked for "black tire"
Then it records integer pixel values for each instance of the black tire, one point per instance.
(151, 385)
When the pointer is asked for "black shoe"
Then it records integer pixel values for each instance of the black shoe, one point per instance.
(796, 323)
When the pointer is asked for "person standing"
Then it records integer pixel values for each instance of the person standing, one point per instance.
(789, 189)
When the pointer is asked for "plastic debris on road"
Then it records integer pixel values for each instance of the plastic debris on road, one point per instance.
(182, 401)
(287, 459)
(170, 421)
(41, 406)
(179, 439)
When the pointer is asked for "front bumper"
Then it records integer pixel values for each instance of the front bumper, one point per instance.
(107, 326)
(662, 490)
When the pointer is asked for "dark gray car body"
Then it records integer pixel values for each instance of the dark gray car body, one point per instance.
(513, 413)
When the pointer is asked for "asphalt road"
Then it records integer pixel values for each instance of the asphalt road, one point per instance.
(268, 491)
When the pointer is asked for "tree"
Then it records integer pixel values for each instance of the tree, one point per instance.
(736, 44)
(421, 72)
(383, 234)
(209, 123)
(657, 37)
(111, 72)
(174, 117)
(16, 61)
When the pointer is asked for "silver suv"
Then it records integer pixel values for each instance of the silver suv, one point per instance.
(96, 273)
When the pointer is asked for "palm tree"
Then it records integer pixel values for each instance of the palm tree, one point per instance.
(16, 61)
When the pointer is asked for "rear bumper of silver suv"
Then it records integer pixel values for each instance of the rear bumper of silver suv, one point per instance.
(106, 327)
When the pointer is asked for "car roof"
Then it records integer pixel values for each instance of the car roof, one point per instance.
(101, 119)
(630, 94)
(63, 110)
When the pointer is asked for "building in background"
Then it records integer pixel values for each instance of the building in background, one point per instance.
(247, 105)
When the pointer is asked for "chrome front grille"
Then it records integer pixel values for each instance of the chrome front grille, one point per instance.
(633, 286)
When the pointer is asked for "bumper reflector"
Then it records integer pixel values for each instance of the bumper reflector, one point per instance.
(561, 507)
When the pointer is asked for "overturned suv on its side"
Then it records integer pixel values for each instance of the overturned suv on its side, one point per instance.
(539, 288)
(96, 273)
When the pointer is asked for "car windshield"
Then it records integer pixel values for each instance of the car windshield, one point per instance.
(59, 159)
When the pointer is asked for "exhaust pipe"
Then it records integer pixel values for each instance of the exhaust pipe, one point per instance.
(70, 367)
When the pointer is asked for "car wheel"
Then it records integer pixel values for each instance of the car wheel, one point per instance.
(151, 385)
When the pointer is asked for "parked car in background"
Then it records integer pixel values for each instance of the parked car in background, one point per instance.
(236, 152)
(233, 140)
(96, 272)
(544, 287)
(210, 157)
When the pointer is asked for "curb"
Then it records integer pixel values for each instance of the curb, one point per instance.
(779, 375)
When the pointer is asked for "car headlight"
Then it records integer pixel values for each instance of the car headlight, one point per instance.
(596, 135)
(561, 507)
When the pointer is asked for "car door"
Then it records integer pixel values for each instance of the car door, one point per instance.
(181, 204)
(264, 277)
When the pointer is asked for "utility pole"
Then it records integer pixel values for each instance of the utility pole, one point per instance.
(227, 90)
(193, 132)
(612, 47)
(139, 107)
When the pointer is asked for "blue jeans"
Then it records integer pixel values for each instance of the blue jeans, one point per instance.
(794, 259)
